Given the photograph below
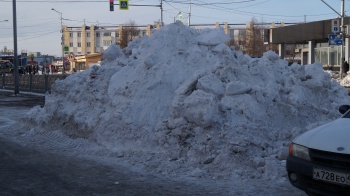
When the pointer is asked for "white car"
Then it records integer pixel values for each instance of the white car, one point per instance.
(319, 160)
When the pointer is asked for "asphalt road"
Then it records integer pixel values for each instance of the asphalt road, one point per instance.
(26, 171)
(9, 99)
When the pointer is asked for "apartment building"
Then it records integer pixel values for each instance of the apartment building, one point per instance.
(92, 39)
(88, 40)
(95, 39)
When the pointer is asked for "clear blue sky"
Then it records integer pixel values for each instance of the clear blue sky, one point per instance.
(38, 27)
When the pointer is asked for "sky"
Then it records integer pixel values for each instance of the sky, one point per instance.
(182, 104)
(38, 27)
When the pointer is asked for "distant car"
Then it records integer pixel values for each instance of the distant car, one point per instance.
(319, 160)
(8, 68)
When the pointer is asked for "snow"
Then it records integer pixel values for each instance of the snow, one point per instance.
(345, 81)
(182, 103)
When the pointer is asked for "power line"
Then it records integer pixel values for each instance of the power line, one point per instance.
(213, 3)
(39, 35)
(215, 6)
(42, 1)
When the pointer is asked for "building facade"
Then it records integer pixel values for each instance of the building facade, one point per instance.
(92, 39)
(313, 43)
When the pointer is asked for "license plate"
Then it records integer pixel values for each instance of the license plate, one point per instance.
(331, 176)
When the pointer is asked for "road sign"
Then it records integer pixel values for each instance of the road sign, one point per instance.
(335, 42)
(180, 17)
(335, 36)
(335, 26)
(335, 39)
(66, 49)
(123, 4)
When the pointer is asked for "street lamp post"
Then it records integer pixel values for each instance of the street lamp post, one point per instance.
(62, 40)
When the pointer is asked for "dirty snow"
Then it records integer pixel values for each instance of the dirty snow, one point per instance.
(182, 103)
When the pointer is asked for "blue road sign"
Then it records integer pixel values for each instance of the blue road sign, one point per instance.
(335, 36)
(338, 42)
(123, 4)
(335, 39)
(335, 29)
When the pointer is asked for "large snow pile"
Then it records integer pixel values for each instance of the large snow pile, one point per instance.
(181, 102)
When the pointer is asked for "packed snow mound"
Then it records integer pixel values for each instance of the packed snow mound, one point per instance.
(183, 102)
(345, 81)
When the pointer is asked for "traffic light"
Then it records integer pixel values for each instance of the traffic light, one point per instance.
(111, 5)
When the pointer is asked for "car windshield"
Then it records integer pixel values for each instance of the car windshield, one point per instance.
(6, 64)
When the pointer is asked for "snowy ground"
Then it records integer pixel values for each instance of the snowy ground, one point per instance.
(182, 104)
(61, 145)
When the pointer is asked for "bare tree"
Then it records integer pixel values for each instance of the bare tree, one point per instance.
(290, 52)
(238, 39)
(251, 39)
(255, 39)
(273, 47)
(128, 33)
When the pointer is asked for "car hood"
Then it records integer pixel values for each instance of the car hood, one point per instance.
(328, 137)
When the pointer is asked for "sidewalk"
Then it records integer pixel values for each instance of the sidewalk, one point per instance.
(8, 98)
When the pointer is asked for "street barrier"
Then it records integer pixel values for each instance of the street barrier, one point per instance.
(31, 83)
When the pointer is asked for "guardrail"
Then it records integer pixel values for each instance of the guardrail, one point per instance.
(30, 83)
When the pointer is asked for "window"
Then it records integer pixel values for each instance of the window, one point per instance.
(70, 34)
(242, 32)
(87, 34)
(79, 44)
(97, 44)
(107, 43)
(117, 34)
(79, 34)
(107, 34)
(97, 34)
(232, 32)
(88, 44)
(71, 44)
(134, 33)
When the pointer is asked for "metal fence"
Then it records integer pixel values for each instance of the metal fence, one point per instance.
(30, 83)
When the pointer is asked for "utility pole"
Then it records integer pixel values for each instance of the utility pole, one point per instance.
(342, 25)
(342, 32)
(189, 15)
(62, 40)
(161, 13)
(15, 58)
